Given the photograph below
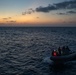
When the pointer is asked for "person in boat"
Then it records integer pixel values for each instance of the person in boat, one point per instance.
(54, 53)
(65, 50)
(59, 51)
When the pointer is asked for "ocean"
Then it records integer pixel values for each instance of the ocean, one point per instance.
(23, 50)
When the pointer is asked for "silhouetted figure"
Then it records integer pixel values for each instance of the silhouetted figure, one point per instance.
(63, 50)
(59, 51)
(67, 50)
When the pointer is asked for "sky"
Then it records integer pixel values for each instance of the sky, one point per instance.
(38, 13)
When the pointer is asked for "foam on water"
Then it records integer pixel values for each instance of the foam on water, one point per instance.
(47, 60)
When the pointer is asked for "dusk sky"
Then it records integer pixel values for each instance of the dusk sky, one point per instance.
(37, 12)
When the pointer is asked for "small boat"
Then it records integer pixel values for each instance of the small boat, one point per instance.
(63, 58)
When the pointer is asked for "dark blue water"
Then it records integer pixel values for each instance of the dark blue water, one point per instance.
(23, 49)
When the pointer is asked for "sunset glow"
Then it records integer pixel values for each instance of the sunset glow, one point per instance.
(36, 12)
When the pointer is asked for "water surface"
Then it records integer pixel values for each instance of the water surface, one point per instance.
(23, 49)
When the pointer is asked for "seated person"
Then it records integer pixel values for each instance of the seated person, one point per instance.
(65, 50)
(59, 51)
(54, 53)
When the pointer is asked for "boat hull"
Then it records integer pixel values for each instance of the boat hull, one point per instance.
(64, 58)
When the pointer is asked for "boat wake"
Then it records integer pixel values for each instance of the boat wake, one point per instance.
(47, 60)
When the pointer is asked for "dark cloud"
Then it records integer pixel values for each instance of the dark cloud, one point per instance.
(31, 10)
(62, 13)
(9, 17)
(6, 18)
(66, 5)
(12, 21)
(58, 6)
(23, 13)
(71, 4)
(1, 23)
(71, 12)
(72, 22)
(37, 17)
(46, 9)
(28, 12)
(67, 13)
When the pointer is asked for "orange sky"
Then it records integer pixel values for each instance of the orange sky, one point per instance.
(26, 14)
